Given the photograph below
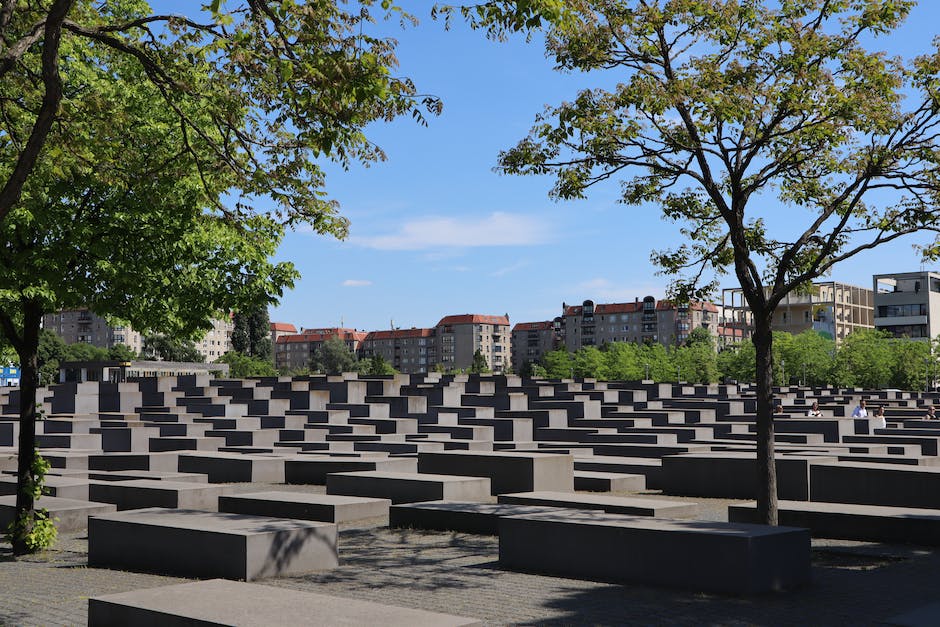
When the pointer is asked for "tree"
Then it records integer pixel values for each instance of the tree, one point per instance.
(136, 148)
(121, 352)
(376, 365)
(81, 351)
(588, 361)
(164, 347)
(242, 366)
(725, 107)
(49, 352)
(334, 357)
(558, 364)
(809, 356)
(864, 360)
(252, 332)
(479, 364)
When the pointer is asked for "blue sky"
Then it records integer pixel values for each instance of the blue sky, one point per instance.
(434, 231)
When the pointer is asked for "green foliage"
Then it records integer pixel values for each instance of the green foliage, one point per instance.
(808, 356)
(163, 347)
(241, 366)
(864, 360)
(376, 365)
(558, 364)
(51, 350)
(81, 351)
(588, 361)
(334, 357)
(121, 352)
(479, 364)
(252, 332)
(35, 527)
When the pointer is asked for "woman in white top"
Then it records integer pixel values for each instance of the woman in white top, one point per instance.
(878, 419)
(814, 411)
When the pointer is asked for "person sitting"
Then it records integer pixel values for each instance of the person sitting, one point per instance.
(931, 413)
(878, 419)
(778, 408)
(860, 411)
(814, 411)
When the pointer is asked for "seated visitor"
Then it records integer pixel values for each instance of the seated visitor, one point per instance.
(860, 411)
(814, 411)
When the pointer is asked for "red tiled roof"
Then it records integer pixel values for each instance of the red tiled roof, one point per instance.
(665, 305)
(473, 319)
(283, 326)
(310, 335)
(605, 308)
(399, 334)
(532, 326)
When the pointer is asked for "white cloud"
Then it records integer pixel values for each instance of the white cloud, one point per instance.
(497, 229)
(356, 283)
(508, 269)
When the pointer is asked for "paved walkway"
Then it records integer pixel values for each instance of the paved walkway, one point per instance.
(854, 583)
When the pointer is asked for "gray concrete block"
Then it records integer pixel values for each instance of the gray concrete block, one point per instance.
(233, 467)
(633, 506)
(313, 470)
(481, 518)
(507, 471)
(141, 493)
(870, 523)
(323, 507)
(890, 485)
(608, 481)
(400, 487)
(732, 474)
(69, 514)
(231, 603)
(192, 543)
(690, 554)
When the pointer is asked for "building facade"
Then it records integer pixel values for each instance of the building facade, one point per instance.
(531, 340)
(83, 325)
(407, 350)
(832, 308)
(460, 337)
(907, 304)
(296, 351)
(217, 341)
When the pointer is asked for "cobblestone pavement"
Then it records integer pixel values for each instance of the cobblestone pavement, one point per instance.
(853, 583)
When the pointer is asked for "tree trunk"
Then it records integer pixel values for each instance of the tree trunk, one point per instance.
(766, 468)
(29, 379)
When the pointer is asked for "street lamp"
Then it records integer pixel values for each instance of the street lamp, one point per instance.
(678, 374)
(783, 370)
(647, 371)
(803, 381)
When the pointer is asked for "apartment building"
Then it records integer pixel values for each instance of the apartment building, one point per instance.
(907, 304)
(218, 340)
(832, 308)
(83, 325)
(296, 351)
(460, 336)
(281, 328)
(641, 322)
(531, 340)
(407, 350)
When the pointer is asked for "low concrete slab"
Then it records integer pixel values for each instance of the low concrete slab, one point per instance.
(608, 481)
(481, 518)
(924, 616)
(690, 554)
(141, 493)
(403, 487)
(870, 523)
(508, 471)
(221, 602)
(234, 467)
(75, 488)
(192, 543)
(324, 507)
(69, 514)
(633, 506)
(313, 470)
